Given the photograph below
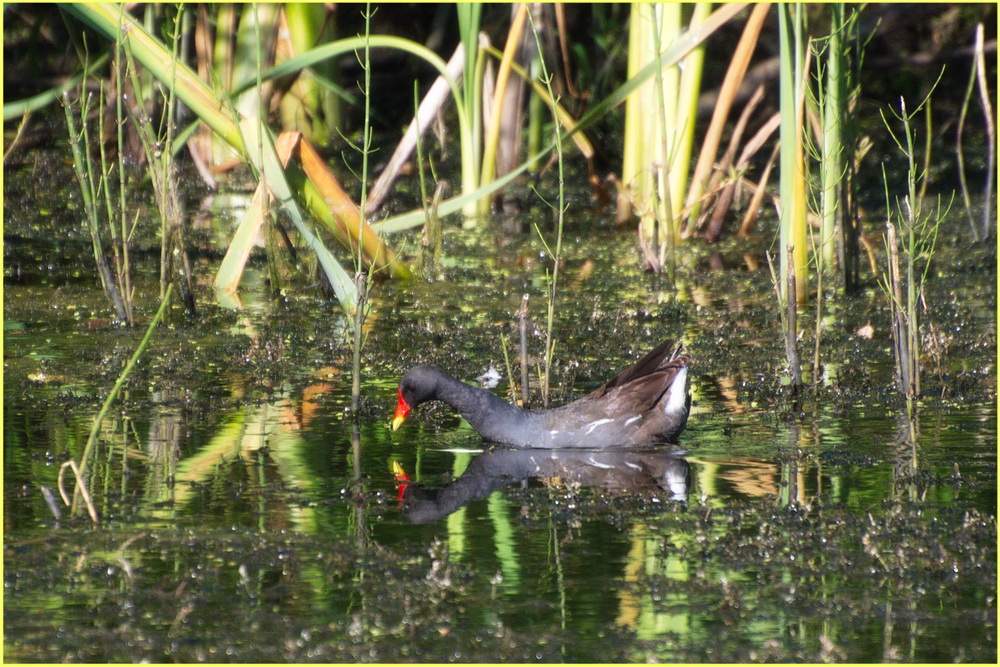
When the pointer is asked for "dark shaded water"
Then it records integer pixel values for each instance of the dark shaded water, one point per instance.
(246, 515)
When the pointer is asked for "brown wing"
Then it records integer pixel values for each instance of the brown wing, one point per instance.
(661, 356)
(641, 394)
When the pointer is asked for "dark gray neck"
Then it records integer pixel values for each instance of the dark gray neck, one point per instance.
(493, 418)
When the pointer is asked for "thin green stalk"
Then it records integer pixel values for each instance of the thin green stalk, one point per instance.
(362, 281)
(119, 234)
(917, 241)
(686, 116)
(959, 152)
(91, 187)
(122, 188)
(174, 263)
(170, 204)
(832, 94)
(561, 211)
(469, 15)
(535, 117)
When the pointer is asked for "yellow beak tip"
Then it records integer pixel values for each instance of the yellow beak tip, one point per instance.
(396, 422)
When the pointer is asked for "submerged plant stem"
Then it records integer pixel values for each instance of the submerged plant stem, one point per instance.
(113, 394)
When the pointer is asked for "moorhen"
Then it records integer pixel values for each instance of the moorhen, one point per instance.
(644, 405)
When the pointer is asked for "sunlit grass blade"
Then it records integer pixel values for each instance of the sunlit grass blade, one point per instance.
(346, 215)
(793, 183)
(353, 44)
(111, 20)
(415, 218)
(269, 166)
(227, 278)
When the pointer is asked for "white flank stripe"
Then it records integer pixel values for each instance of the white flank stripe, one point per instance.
(592, 425)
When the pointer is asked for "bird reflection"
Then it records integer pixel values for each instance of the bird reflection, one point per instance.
(658, 471)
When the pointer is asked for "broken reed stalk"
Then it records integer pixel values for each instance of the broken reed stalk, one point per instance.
(511, 385)
(819, 322)
(81, 488)
(984, 100)
(50, 500)
(907, 369)
(113, 394)
(175, 265)
(522, 327)
(977, 76)
(792, 323)
(431, 240)
(788, 315)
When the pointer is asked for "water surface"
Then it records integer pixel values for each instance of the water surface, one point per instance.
(247, 515)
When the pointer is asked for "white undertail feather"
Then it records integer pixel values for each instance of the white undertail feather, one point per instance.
(677, 394)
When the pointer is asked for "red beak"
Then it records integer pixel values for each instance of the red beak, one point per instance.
(402, 409)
